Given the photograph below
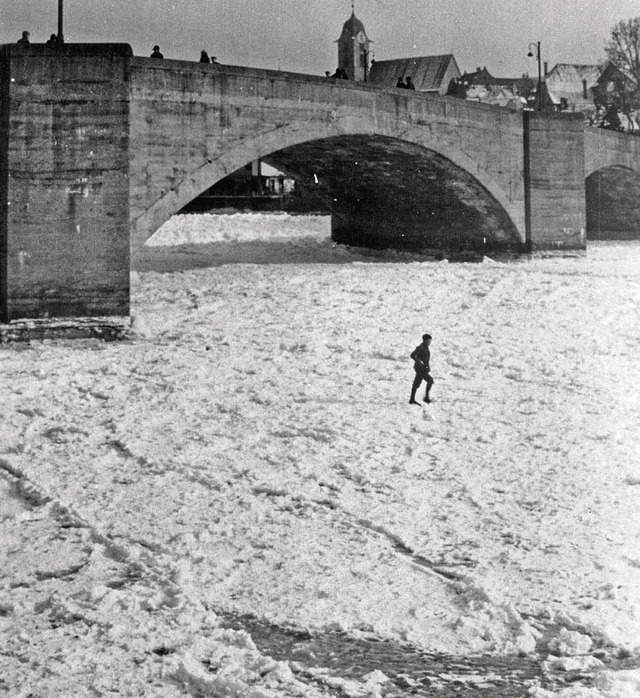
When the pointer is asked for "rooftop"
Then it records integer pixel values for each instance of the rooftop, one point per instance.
(427, 72)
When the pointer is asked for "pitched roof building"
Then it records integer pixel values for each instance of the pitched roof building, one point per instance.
(429, 73)
(571, 86)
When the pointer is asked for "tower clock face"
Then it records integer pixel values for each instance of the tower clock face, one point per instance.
(361, 37)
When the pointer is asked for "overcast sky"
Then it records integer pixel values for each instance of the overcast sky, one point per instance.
(299, 35)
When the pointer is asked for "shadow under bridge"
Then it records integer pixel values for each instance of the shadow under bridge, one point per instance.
(386, 192)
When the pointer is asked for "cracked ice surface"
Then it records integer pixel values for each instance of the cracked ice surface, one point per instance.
(252, 450)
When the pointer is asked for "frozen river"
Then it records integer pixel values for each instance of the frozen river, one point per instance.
(251, 450)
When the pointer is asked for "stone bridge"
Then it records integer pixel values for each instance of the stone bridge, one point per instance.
(99, 148)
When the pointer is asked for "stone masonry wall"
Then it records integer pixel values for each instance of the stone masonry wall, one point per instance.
(64, 240)
(555, 207)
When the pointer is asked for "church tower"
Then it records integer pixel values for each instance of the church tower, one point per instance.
(353, 49)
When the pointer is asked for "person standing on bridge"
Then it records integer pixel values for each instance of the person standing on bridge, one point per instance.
(204, 57)
(400, 84)
(24, 41)
(421, 357)
(409, 83)
(156, 52)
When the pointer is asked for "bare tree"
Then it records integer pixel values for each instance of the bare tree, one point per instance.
(621, 90)
(623, 49)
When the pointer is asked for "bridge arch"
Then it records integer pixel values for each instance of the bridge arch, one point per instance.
(613, 203)
(612, 184)
(471, 203)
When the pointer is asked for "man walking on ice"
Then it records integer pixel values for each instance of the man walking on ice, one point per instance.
(421, 356)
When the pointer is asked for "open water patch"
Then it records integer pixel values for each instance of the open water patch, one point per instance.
(327, 656)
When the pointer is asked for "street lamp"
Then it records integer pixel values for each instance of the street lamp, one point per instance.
(531, 54)
(60, 36)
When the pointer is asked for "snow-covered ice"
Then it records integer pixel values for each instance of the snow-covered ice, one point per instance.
(252, 449)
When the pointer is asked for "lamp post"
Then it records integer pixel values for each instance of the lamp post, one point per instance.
(60, 36)
(532, 47)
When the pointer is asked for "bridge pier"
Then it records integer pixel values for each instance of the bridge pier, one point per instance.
(64, 181)
(554, 181)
